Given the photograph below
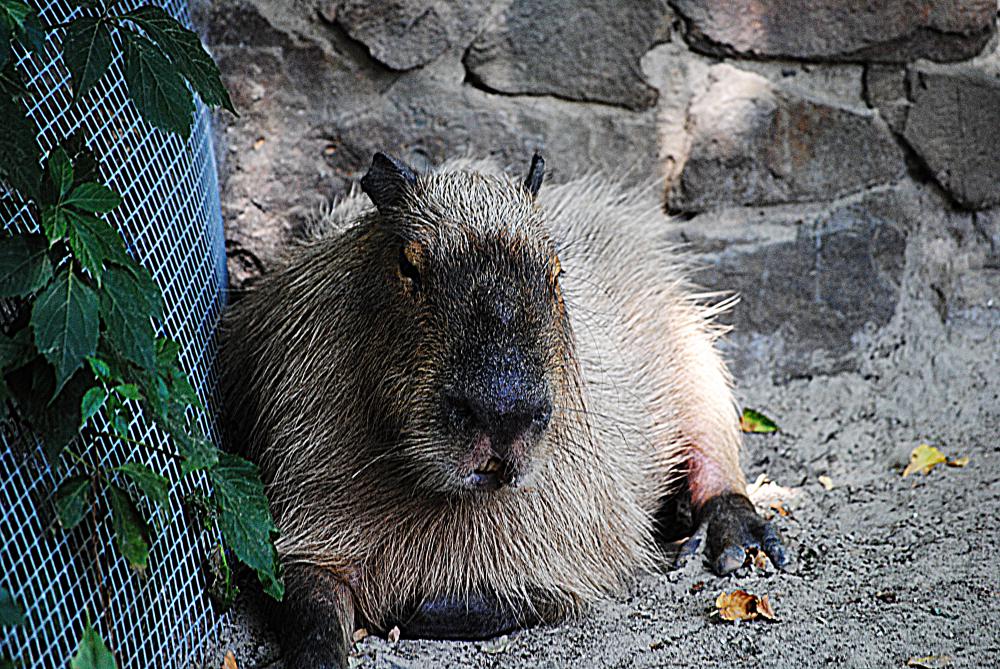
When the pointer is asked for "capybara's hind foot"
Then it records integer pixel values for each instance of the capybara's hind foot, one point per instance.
(734, 531)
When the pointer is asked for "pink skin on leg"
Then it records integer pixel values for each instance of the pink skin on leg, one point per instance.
(706, 479)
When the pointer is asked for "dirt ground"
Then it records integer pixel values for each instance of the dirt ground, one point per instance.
(884, 569)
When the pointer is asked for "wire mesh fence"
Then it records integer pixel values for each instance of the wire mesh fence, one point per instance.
(171, 221)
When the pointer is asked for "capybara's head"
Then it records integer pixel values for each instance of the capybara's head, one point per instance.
(472, 279)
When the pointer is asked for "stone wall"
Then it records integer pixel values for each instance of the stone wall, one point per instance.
(828, 160)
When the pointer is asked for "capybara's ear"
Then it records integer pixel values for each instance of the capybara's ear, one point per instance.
(387, 180)
(535, 174)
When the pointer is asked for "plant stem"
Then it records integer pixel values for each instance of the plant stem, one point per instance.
(86, 465)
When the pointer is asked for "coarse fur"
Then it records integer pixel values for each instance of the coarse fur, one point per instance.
(330, 383)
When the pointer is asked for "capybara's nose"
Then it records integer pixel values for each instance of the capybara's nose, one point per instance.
(498, 416)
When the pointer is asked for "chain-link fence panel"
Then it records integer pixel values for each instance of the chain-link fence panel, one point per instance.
(171, 222)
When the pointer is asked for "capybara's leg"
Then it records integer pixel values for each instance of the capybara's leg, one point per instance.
(709, 429)
(315, 620)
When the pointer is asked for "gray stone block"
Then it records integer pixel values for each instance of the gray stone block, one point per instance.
(587, 50)
(811, 279)
(888, 31)
(954, 125)
(755, 143)
(404, 34)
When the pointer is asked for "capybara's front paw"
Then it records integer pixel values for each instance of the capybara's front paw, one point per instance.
(734, 530)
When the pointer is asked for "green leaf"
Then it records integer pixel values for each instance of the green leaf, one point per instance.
(94, 198)
(155, 87)
(16, 350)
(24, 265)
(155, 487)
(125, 310)
(182, 391)
(54, 417)
(92, 402)
(187, 53)
(198, 453)
(95, 243)
(19, 151)
(119, 425)
(92, 653)
(245, 520)
(129, 391)
(101, 369)
(60, 170)
(10, 613)
(72, 499)
(23, 21)
(53, 223)
(167, 353)
(87, 52)
(65, 321)
(754, 421)
(85, 165)
(130, 529)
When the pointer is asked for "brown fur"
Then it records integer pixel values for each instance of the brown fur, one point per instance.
(327, 376)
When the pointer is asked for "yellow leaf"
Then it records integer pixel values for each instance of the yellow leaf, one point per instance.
(741, 605)
(923, 459)
(929, 662)
(230, 661)
(826, 482)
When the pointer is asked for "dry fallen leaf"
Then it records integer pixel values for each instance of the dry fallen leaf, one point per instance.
(929, 662)
(763, 492)
(826, 482)
(258, 143)
(754, 421)
(741, 605)
(360, 634)
(778, 507)
(393, 635)
(924, 458)
(230, 661)
(761, 562)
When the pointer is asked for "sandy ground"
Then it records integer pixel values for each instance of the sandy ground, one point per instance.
(885, 568)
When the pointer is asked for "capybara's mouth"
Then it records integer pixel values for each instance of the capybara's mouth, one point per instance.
(493, 474)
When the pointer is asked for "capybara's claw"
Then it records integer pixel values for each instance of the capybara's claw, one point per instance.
(734, 531)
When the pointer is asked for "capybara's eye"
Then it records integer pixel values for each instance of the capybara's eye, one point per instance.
(409, 258)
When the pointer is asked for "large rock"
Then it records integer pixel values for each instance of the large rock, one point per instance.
(403, 34)
(314, 107)
(812, 279)
(839, 30)
(587, 50)
(954, 124)
(752, 142)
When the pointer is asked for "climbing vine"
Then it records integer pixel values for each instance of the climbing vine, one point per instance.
(85, 336)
